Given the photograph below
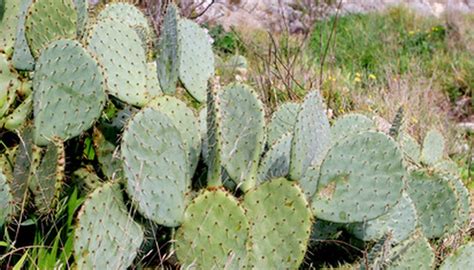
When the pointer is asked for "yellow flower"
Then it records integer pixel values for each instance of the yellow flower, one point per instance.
(357, 74)
(357, 79)
(372, 76)
(411, 33)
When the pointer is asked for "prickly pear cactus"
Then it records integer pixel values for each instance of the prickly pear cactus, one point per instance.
(19, 116)
(400, 222)
(349, 124)
(214, 233)
(276, 161)
(167, 60)
(156, 166)
(213, 146)
(123, 60)
(433, 147)
(280, 225)
(283, 121)
(462, 258)
(67, 100)
(361, 178)
(152, 82)
(108, 156)
(6, 199)
(22, 58)
(106, 237)
(82, 15)
(410, 147)
(242, 132)
(49, 20)
(464, 201)
(9, 83)
(309, 182)
(196, 59)
(8, 24)
(185, 121)
(311, 138)
(46, 181)
(413, 253)
(435, 201)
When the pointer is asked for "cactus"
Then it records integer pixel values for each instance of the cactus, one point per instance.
(361, 178)
(152, 82)
(276, 162)
(283, 121)
(47, 21)
(242, 132)
(18, 117)
(410, 147)
(123, 60)
(309, 181)
(6, 200)
(82, 15)
(280, 225)
(214, 233)
(106, 237)
(86, 180)
(47, 179)
(311, 138)
(185, 121)
(8, 24)
(156, 166)
(433, 147)
(349, 124)
(196, 59)
(22, 58)
(213, 147)
(396, 123)
(435, 201)
(9, 83)
(400, 222)
(107, 155)
(67, 100)
(167, 61)
(462, 258)
(463, 200)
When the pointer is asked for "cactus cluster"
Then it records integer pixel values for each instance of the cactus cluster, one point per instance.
(239, 193)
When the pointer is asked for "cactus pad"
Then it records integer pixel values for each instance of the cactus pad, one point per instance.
(400, 222)
(196, 59)
(122, 58)
(242, 130)
(155, 165)
(187, 124)
(433, 147)
(152, 83)
(350, 124)
(413, 253)
(464, 200)
(67, 100)
(49, 20)
(6, 199)
(410, 147)
(435, 201)
(283, 120)
(276, 162)
(361, 178)
(128, 14)
(107, 155)
(8, 23)
(280, 225)
(214, 233)
(167, 59)
(82, 15)
(311, 138)
(106, 237)
(22, 58)
(213, 147)
(309, 182)
(462, 258)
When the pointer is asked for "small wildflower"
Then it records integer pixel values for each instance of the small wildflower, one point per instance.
(411, 33)
(357, 79)
(372, 77)
(357, 74)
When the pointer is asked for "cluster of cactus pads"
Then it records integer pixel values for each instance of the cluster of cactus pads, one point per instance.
(241, 191)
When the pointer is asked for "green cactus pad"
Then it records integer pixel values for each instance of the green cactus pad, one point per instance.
(6, 200)
(213, 147)
(49, 20)
(276, 162)
(447, 166)
(242, 131)
(67, 99)
(19, 116)
(410, 147)
(283, 121)
(464, 200)
(413, 253)
(312, 136)
(22, 58)
(349, 124)
(152, 83)
(214, 233)
(82, 15)
(9, 83)
(123, 60)
(106, 237)
(187, 124)
(400, 222)
(462, 258)
(309, 182)
(86, 180)
(280, 225)
(361, 178)
(203, 131)
(167, 60)
(47, 180)
(107, 155)
(435, 201)
(196, 59)
(8, 24)
(155, 165)
(433, 147)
